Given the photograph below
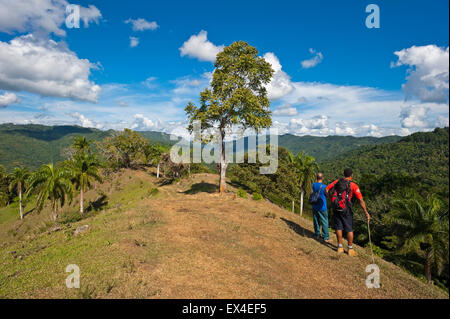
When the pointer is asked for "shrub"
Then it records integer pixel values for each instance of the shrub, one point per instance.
(153, 191)
(257, 196)
(242, 193)
(270, 215)
(376, 250)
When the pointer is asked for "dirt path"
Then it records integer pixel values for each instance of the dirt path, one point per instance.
(229, 247)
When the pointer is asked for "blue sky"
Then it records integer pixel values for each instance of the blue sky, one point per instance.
(333, 74)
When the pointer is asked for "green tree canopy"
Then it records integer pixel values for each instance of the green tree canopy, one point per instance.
(51, 183)
(125, 149)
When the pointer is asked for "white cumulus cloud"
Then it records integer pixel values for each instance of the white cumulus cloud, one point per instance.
(415, 117)
(428, 75)
(285, 110)
(90, 14)
(281, 82)
(141, 24)
(82, 120)
(316, 59)
(198, 46)
(142, 123)
(315, 125)
(41, 16)
(134, 42)
(343, 128)
(45, 67)
(8, 98)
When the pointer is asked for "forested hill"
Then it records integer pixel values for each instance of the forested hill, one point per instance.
(326, 148)
(423, 155)
(33, 145)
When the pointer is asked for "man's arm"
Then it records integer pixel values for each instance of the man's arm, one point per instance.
(330, 186)
(362, 203)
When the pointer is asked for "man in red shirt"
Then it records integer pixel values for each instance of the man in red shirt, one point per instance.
(344, 220)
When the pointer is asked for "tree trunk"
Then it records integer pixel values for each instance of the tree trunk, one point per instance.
(293, 207)
(301, 202)
(81, 201)
(54, 214)
(223, 164)
(429, 256)
(157, 171)
(20, 202)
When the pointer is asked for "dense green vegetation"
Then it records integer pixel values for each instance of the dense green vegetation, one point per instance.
(280, 188)
(326, 148)
(33, 145)
(421, 155)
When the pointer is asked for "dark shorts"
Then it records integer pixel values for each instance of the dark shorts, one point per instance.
(343, 222)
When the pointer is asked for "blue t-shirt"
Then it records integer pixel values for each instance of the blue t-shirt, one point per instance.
(322, 203)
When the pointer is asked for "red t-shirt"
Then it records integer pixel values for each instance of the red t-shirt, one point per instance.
(354, 189)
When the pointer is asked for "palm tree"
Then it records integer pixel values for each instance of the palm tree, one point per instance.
(51, 183)
(423, 227)
(82, 145)
(18, 181)
(83, 169)
(306, 168)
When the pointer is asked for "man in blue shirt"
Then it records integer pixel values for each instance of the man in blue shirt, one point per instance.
(320, 213)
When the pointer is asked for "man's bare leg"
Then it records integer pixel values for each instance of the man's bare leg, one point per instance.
(349, 238)
(339, 236)
(339, 240)
(351, 251)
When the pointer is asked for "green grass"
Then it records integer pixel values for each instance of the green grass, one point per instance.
(28, 251)
(8, 213)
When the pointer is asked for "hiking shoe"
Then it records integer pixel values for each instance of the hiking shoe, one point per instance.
(352, 252)
(328, 241)
(340, 250)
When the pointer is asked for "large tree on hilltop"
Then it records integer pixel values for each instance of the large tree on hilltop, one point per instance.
(237, 96)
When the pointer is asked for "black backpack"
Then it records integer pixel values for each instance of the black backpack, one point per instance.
(315, 196)
(340, 196)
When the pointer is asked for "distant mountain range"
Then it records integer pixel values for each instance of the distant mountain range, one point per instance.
(33, 145)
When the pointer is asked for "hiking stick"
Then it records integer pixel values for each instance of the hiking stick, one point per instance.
(370, 242)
